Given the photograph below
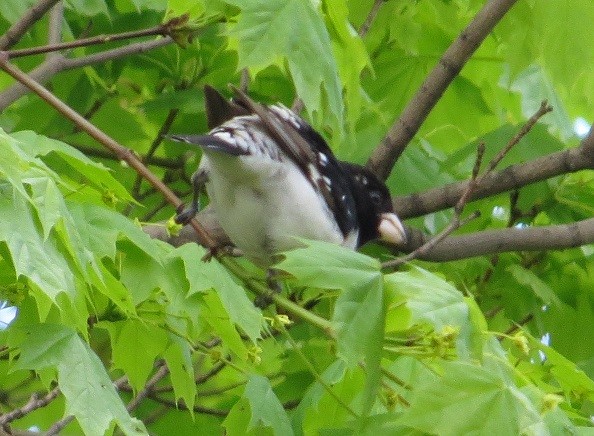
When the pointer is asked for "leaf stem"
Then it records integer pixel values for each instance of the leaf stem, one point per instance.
(279, 324)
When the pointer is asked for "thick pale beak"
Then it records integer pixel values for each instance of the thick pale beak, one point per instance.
(391, 230)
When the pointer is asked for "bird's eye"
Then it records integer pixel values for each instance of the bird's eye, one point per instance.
(376, 197)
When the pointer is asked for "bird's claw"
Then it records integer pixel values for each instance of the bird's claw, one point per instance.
(185, 215)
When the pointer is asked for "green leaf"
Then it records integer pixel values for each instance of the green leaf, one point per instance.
(203, 276)
(89, 7)
(351, 56)
(576, 191)
(534, 86)
(561, 22)
(36, 145)
(261, 405)
(12, 10)
(325, 265)
(135, 346)
(572, 380)
(268, 32)
(179, 362)
(540, 288)
(101, 228)
(359, 315)
(469, 399)
(319, 409)
(217, 317)
(90, 394)
(113, 289)
(429, 298)
(40, 260)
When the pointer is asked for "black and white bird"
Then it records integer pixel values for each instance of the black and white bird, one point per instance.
(271, 177)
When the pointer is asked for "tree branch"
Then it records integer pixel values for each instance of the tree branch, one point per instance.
(370, 18)
(58, 63)
(56, 18)
(162, 29)
(132, 160)
(34, 403)
(511, 178)
(554, 237)
(121, 152)
(418, 108)
(18, 29)
(148, 388)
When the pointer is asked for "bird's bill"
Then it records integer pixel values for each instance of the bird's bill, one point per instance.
(391, 230)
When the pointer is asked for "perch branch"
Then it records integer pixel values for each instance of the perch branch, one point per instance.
(556, 237)
(471, 186)
(553, 237)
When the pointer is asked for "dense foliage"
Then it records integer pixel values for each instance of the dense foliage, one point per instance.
(115, 329)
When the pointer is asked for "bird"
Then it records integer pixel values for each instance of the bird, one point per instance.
(274, 181)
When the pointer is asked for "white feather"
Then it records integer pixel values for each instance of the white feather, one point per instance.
(263, 203)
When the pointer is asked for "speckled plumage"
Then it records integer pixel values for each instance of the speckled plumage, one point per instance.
(271, 179)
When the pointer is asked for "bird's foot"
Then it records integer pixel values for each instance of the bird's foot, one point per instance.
(185, 215)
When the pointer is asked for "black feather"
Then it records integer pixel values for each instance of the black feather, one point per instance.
(210, 143)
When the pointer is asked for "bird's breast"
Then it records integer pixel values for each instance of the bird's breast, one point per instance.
(263, 204)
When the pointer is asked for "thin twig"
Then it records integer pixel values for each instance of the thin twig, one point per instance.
(162, 29)
(46, 70)
(429, 93)
(517, 325)
(34, 403)
(542, 110)
(370, 18)
(221, 390)
(154, 145)
(203, 378)
(471, 186)
(121, 152)
(18, 29)
(58, 426)
(456, 221)
(182, 405)
(199, 379)
(148, 388)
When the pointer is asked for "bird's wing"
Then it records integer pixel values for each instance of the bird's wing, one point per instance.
(308, 150)
(211, 142)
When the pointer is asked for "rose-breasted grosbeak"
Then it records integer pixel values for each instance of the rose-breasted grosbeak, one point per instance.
(271, 178)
